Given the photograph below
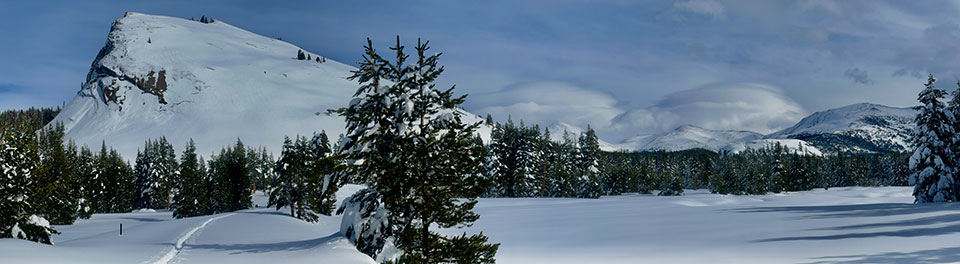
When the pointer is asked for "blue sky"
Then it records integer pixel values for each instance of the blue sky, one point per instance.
(623, 67)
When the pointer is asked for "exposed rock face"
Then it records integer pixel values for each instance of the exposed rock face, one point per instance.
(108, 78)
(153, 85)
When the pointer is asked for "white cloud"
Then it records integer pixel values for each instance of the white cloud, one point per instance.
(548, 102)
(704, 7)
(737, 106)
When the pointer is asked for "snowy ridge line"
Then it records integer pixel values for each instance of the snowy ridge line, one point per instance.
(177, 247)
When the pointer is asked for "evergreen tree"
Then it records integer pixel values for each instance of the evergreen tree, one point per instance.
(87, 174)
(143, 176)
(564, 174)
(19, 188)
(116, 180)
(931, 166)
(588, 166)
(233, 186)
(322, 183)
(367, 146)
(164, 170)
(261, 168)
(190, 198)
(57, 196)
(419, 158)
(518, 153)
(288, 191)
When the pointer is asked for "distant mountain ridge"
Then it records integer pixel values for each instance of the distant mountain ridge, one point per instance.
(857, 128)
(688, 137)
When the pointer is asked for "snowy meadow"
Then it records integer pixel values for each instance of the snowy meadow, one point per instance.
(839, 225)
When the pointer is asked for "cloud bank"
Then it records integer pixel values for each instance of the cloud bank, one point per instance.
(757, 107)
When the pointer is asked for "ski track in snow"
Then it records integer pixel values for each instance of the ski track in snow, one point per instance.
(175, 250)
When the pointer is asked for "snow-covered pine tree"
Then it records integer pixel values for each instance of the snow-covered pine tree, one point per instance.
(563, 170)
(517, 154)
(89, 188)
(322, 183)
(57, 191)
(366, 148)
(932, 169)
(231, 175)
(117, 182)
(261, 168)
(164, 169)
(144, 176)
(288, 186)
(216, 203)
(190, 198)
(504, 144)
(417, 155)
(19, 160)
(82, 205)
(587, 163)
(443, 185)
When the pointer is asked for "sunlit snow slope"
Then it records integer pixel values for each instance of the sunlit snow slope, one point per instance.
(213, 82)
(863, 127)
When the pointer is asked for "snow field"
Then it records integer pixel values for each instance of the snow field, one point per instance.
(839, 225)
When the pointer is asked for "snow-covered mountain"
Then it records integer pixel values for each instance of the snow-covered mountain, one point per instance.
(558, 128)
(863, 127)
(688, 137)
(213, 82)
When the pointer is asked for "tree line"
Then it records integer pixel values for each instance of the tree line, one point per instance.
(524, 161)
(45, 180)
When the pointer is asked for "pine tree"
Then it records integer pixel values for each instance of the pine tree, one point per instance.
(932, 169)
(443, 179)
(143, 176)
(87, 179)
(587, 164)
(164, 170)
(418, 158)
(19, 189)
(516, 148)
(190, 196)
(288, 191)
(116, 180)
(322, 183)
(367, 149)
(57, 197)
(301, 55)
(233, 187)
(563, 171)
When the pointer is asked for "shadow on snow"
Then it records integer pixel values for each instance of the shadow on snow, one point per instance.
(268, 247)
(912, 226)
